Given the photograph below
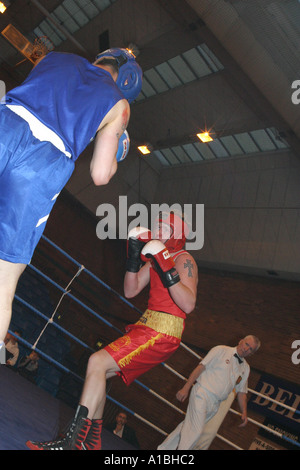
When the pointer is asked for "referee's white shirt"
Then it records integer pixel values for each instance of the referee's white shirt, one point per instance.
(223, 372)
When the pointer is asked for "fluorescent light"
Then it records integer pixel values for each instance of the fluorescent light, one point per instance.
(204, 137)
(144, 149)
(2, 7)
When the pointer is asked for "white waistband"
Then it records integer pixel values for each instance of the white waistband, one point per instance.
(38, 129)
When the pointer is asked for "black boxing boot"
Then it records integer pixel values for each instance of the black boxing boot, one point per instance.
(74, 437)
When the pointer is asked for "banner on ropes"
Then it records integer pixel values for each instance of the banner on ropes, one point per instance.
(283, 392)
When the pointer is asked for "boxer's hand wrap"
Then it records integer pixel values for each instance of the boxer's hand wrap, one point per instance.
(162, 261)
(137, 239)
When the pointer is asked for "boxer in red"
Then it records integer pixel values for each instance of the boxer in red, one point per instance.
(173, 276)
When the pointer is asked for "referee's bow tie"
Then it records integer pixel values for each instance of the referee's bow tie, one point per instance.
(238, 358)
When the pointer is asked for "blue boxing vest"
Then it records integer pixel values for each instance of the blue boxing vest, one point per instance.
(70, 96)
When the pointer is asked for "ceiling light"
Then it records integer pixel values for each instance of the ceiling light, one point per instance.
(133, 48)
(205, 137)
(2, 7)
(145, 149)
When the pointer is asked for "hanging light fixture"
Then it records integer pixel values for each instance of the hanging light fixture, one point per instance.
(145, 149)
(2, 7)
(205, 136)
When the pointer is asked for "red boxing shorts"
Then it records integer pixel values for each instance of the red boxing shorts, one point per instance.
(150, 341)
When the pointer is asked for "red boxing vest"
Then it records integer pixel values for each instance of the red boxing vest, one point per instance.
(159, 297)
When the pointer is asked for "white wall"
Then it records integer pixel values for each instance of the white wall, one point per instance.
(252, 210)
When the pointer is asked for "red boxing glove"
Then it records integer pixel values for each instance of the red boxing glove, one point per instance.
(163, 263)
(137, 239)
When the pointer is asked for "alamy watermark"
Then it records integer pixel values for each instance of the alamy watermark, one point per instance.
(2, 353)
(296, 94)
(115, 225)
(2, 90)
(296, 354)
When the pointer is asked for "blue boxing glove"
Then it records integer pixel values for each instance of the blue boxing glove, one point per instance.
(123, 148)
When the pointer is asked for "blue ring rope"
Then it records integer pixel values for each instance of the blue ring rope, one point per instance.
(65, 369)
(120, 296)
(68, 371)
(74, 298)
(56, 325)
(91, 274)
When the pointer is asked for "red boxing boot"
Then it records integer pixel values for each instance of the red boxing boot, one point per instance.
(74, 437)
(93, 439)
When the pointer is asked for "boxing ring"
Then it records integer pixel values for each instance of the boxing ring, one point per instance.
(43, 402)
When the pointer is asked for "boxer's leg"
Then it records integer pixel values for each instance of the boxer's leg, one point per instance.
(9, 276)
(85, 430)
(101, 366)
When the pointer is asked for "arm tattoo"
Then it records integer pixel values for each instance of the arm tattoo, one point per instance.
(189, 265)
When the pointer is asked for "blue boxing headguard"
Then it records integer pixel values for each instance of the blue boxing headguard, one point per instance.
(130, 74)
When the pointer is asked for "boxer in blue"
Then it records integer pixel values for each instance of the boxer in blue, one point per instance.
(45, 124)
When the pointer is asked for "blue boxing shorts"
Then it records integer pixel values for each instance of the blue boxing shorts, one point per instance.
(32, 173)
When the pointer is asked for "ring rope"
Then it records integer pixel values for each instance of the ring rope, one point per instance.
(130, 304)
(257, 393)
(109, 324)
(90, 310)
(87, 347)
(50, 321)
(274, 401)
(90, 273)
(138, 416)
(75, 299)
(104, 284)
(278, 434)
(119, 331)
(174, 371)
(73, 337)
(190, 350)
(68, 371)
(45, 356)
(181, 344)
(160, 397)
(229, 442)
(54, 324)
(65, 369)
(281, 435)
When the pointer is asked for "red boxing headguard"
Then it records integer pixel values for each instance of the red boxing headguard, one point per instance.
(179, 227)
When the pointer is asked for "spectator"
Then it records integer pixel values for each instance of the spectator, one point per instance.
(121, 429)
(28, 366)
(12, 348)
